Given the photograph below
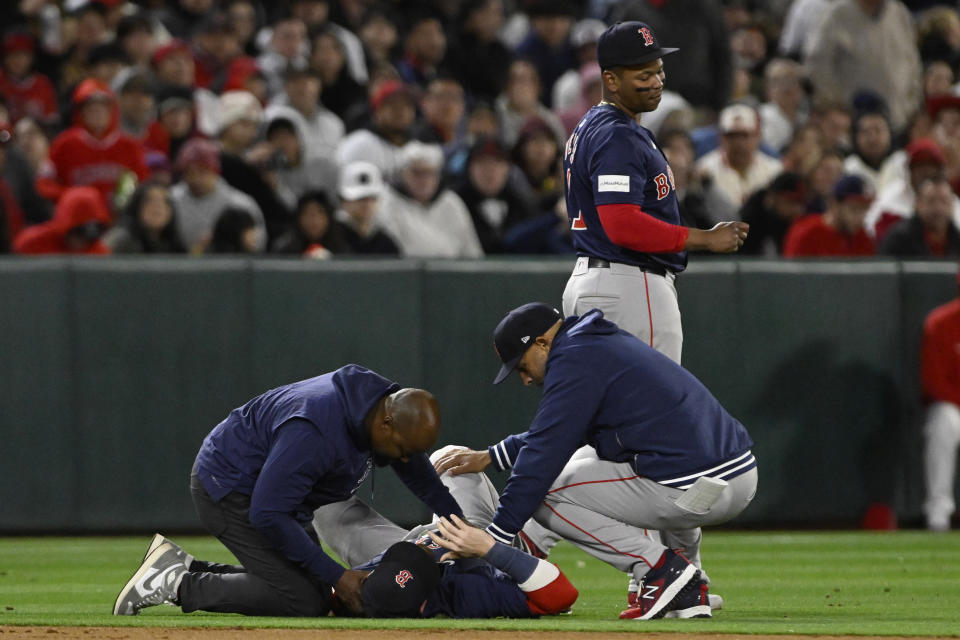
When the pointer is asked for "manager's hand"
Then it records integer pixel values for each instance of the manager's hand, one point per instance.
(461, 539)
(462, 460)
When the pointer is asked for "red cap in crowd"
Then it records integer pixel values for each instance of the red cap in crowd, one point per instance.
(18, 41)
(935, 104)
(925, 150)
(167, 50)
(387, 90)
(199, 151)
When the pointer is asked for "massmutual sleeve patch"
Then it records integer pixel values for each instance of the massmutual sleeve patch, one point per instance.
(613, 183)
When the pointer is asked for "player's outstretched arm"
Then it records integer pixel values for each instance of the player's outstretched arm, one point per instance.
(724, 237)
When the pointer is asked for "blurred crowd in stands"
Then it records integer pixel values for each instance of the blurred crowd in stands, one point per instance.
(436, 128)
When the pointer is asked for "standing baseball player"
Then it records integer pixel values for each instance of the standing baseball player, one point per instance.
(622, 203)
(664, 454)
(262, 472)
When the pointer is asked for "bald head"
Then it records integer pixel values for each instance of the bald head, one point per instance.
(406, 423)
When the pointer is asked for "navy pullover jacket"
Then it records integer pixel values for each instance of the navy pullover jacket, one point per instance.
(606, 388)
(303, 445)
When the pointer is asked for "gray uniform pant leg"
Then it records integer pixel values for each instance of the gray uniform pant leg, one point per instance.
(603, 508)
(271, 585)
(643, 304)
(354, 530)
(942, 439)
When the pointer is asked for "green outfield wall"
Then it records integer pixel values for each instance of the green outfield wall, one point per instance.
(113, 370)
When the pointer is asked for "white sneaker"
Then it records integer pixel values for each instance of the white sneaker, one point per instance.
(155, 582)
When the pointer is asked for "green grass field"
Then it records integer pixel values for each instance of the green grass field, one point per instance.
(890, 583)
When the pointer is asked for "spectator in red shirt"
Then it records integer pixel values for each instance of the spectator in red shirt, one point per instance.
(839, 231)
(26, 92)
(93, 152)
(940, 374)
(79, 221)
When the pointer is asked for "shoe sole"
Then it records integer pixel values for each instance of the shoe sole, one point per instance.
(671, 593)
(699, 611)
(131, 584)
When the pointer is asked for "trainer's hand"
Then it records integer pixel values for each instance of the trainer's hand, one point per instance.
(462, 460)
(348, 589)
(462, 539)
(725, 237)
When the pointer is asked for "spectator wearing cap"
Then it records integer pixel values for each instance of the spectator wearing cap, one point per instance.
(26, 92)
(770, 212)
(11, 215)
(838, 231)
(288, 47)
(135, 100)
(931, 231)
(867, 45)
(202, 195)
(294, 170)
(426, 219)
(78, 222)
(702, 70)
(341, 92)
(173, 64)
(737, 169)
(872, 156)
(895, 202)
(424, 48)
(786, 107)
(136, 35)
(520, 102)
(243, 163)
(322, 129)
(315, 233)
(360, 189)
(480, 60)
(547, 45)
(393, 113)
(568, 89)
(175, 123)
(495, 203)
(93, 152)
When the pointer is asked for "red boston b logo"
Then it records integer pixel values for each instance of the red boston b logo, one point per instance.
(402, 578)
(647, 36)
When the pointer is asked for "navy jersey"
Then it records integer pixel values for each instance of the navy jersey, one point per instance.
(606, 388)
(610, 159)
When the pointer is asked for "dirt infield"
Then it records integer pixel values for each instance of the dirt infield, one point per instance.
(244, 633)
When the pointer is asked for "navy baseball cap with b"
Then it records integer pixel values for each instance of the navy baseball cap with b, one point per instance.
(626, 44)
(518, 331)
(400, 584)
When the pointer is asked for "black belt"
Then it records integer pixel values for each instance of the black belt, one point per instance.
(600, 263)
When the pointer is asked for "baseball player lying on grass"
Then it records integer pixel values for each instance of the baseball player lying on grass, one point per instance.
(447, 567)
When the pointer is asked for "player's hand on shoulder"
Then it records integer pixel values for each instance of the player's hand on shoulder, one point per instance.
(462, 460)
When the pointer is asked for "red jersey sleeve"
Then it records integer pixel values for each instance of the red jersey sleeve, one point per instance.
(628, 226)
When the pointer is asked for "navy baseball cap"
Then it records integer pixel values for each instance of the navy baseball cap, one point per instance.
(518, 331)
(852, 187)
(627, 44)
(400, 584)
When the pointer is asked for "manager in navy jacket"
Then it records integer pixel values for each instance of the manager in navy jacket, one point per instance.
(261, 472)
(663, 454)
